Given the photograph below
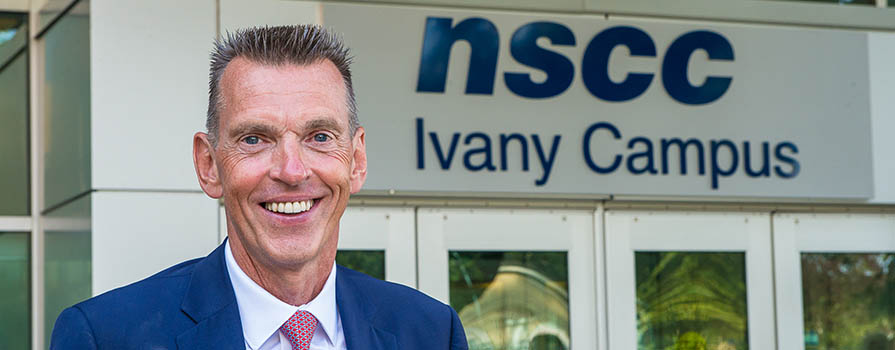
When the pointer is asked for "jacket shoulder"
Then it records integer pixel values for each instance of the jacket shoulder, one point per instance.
(147, 311)
(171, 281)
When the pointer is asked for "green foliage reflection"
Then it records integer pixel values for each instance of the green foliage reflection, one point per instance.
(849, 301)
(691, 301)
(370, 262)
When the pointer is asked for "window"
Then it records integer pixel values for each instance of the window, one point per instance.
(835, 281)
(15, 290)
(519, 278)
(684, 280)
(15, 183)
(66, 104)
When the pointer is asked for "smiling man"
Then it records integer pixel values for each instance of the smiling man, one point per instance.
(283, 151)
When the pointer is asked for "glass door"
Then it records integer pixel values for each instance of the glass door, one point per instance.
(519, 278)
(835, 281)
(689, 281)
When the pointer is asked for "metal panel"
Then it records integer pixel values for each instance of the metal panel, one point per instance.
(136, 234)
(758, 11)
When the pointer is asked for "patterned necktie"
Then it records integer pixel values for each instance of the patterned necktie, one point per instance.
(299, 329)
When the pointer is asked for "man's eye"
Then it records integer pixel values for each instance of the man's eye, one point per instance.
(252, 140)
(321, 137)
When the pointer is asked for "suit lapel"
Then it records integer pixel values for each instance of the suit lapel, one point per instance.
(356, 313)
(209, 301)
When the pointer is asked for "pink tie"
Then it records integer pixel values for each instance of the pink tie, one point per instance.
(299, 329)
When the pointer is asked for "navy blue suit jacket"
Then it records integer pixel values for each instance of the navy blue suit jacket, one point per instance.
(192, 306)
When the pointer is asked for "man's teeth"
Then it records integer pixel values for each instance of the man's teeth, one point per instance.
(289, 207)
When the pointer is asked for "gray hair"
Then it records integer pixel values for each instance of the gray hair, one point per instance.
(295, 44)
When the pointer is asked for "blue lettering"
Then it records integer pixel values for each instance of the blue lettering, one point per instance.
(523, 144)
(586, 147)
(677, 57)
(560, 71)
(485, 150)
(546, 162)
(682, 147)
(766, 160)
(445, 160)
(420, 147)
(595, 64)
(483, 40)
(647, 153)
(716, 168)
(793, 163)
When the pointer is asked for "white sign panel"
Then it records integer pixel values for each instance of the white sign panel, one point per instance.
(476, 101)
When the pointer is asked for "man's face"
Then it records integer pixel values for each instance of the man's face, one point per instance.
(284, 141)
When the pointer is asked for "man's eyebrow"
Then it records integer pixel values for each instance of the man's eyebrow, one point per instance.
(326, 124)
(252, 128)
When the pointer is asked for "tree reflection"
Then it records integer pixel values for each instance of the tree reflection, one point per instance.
(691, 300)
(849, 301)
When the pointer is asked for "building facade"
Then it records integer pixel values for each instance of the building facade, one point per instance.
(573, 174)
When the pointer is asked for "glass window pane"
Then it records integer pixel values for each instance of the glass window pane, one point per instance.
(13, 34)
(67, 259)
(50, 10)
(691, 301)
(66, 102)
(14, 151)
(15, 291)
(370, 262)
(849, 301)
(511, 300)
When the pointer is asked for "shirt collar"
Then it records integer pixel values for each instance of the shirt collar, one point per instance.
(262, 314)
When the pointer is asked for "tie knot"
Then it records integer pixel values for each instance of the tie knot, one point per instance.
(299, 329)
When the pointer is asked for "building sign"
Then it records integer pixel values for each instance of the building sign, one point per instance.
(500, 102)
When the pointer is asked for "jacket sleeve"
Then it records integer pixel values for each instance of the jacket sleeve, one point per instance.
(458, 335)
(72, 331)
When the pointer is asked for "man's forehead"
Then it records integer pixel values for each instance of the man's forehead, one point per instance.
(244, 80)
(242, 70)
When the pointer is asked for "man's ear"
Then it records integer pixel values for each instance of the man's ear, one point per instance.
(359, 161)
(206, 166)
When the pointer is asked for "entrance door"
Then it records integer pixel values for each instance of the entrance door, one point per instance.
(683, 280)
(835, 281)
(512, 274)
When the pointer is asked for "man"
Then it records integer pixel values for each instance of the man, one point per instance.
(283, 151)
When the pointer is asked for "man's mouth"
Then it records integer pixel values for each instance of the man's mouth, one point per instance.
(289, 207)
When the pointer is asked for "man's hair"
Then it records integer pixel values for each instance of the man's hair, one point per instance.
(276, 46)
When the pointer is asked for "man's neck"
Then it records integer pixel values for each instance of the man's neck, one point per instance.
(296, 285)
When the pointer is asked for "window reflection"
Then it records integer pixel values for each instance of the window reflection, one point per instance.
(511, 300)
(67, 259)
(15, 297)
(66, 104)
(14, 141)
(370, 262)
(691, 301)
(849, 301)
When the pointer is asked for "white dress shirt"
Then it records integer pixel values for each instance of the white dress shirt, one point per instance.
(262, 314)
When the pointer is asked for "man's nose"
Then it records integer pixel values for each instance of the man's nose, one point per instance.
(289, 166)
